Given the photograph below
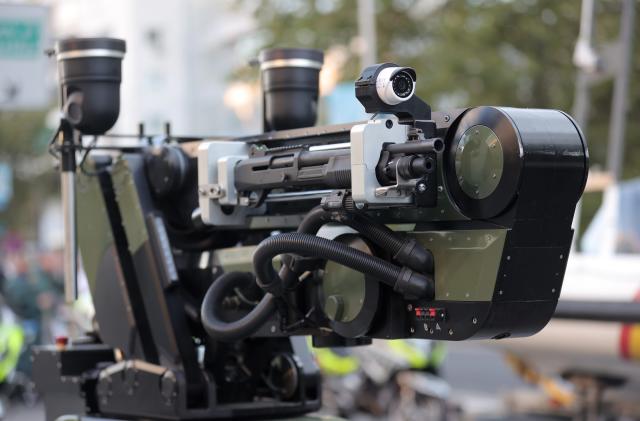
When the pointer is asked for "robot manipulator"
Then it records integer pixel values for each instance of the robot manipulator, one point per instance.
(436, 206)
(207, 259)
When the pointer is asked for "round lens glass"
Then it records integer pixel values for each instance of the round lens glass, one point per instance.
(343, 288)
(402, 84)
(479, 162)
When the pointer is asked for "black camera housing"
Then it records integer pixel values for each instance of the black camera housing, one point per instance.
(90, 74)
(290, 80)
(410, 110)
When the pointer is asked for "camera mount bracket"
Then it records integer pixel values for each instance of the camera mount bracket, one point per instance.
(410, 111)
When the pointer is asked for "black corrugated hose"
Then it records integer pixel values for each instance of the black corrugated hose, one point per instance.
(239, 329)
(405, 250)
(247, 325)
(403, 280)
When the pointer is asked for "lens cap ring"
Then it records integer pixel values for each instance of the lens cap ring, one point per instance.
(496, 196)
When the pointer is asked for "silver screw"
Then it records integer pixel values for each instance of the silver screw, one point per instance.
(412, 330)
(409, 307)
(360, 205)
(475, 321)
(440, 189)
(450, 331)
(422, 187)
(447, 118)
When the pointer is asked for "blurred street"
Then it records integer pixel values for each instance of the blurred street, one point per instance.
(478, 376)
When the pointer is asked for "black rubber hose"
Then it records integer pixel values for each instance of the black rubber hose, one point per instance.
(246, 326)
(239, 329)
(377, 233)
(313, 220)
(405, 250)
(402, 280)
(310, 245)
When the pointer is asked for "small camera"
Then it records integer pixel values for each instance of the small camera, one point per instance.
(396, 84)
(389, 88)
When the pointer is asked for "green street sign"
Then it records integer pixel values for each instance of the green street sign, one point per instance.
(19, 39)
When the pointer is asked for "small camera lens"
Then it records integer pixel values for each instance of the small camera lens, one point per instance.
(402, 84)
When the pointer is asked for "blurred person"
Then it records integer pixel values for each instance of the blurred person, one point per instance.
(372, 381)
(32, 296)
(13, 384)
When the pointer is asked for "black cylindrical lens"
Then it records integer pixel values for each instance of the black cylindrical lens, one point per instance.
(290, 84)
(89, 72)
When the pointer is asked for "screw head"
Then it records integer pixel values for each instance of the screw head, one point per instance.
(409, 307)
(422, 187)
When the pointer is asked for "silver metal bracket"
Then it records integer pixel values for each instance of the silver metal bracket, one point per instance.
(216, 188)
(367, 141)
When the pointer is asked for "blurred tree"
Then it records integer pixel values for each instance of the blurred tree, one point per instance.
(23, 144)
(467, 52)
(472, 52)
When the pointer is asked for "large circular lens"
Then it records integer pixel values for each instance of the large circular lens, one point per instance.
(402, 84)
(484, 145)
(479, 161)
(348, 298)
(344, 288)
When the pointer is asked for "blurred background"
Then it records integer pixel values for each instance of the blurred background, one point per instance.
(188, 63)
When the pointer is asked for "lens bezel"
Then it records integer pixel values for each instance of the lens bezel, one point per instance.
(402, 75)
(504, 194)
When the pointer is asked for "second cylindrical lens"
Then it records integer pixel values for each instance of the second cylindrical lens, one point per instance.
(89, 71)
(290, 85)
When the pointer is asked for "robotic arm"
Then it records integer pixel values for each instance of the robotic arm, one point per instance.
(208, 259)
